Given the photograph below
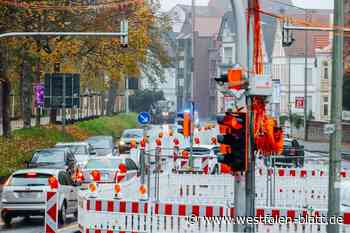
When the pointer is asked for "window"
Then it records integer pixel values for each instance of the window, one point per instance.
(325, 106)
(228, 59)
(130, 165)
(309, 75)
(325, 75)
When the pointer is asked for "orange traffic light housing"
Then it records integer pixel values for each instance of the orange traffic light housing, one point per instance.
(235, 78)
(187, 124)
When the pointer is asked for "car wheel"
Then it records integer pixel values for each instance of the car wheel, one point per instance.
(6, 219)
(62, 215)
(76, 214)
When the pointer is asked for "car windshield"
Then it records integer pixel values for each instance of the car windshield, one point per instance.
(199, 151)
(288, 143)
(100, 143)
(75, 149)
(48, 156)
(32, 179)
(132, 134)
(103, 163)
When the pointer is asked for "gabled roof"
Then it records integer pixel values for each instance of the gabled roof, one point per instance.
(315, 39)
(227, 18)
(202, 11)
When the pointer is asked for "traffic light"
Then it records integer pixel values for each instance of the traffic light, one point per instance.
(184, 121)
(233, 140)
(234, 78)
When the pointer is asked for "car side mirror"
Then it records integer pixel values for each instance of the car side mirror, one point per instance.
(93, 153)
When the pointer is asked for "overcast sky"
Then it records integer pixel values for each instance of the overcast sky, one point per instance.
(320, 4)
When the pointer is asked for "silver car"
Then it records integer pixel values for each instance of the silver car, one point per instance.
(107, 168)
(24, 194)
(82, 151)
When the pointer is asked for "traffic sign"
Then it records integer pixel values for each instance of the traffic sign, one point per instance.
(144, 118)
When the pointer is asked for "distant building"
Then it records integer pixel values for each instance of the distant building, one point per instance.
(288, 66)
(207, 24)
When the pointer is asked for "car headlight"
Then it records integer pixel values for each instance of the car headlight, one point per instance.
(165, 113)
(122, 143)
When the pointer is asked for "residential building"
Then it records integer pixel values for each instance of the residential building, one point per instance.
(227, 38)
(195, 86)
(288, 66)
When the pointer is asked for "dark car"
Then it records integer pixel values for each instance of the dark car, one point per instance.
(61, 158)
(127, 136)
(103, 145)
(292, 149)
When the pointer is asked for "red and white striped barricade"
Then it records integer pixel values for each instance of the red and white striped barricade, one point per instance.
(293, 187)
(137, 216)
(196, 188)
(51, 212)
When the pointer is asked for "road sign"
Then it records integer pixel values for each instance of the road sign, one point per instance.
(144, 118)
(329, 129)
(299, 102)
(39, 94)
(62, 88)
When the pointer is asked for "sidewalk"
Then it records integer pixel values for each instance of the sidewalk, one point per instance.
(18, 124)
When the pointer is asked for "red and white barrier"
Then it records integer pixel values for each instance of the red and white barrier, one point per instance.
(51, 212)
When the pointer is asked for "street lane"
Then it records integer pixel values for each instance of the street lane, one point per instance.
(35, 225)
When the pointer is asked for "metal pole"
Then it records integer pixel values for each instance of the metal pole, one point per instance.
(64, 108)
(305, 83)
(193, 47)
(289, 96)
(250, 174)
(126, 94)
(336, 117)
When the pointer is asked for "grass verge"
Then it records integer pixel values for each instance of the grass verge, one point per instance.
(19, 148)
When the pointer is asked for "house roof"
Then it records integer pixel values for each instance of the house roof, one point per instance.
(202, 11)
(315, 39)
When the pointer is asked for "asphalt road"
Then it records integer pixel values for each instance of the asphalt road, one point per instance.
(35, 225)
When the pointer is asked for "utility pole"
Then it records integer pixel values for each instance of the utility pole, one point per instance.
(305, 82)
(289, 95)
(126, 94)
(239, 8)
(250, 173)
(193, 48)
(336, 116)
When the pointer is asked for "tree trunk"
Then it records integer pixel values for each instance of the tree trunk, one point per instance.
(26, 94)
(6, 118)
(53, 115)
(112, 94)
(37, 79)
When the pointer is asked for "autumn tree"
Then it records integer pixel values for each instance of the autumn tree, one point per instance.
(93, 57)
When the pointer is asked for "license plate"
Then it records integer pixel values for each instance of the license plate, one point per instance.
(28, 195)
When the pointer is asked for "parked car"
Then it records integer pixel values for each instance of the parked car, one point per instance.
(107, 167)
(24, 194)
(103, 145)
(201, 151)
(61, 158)
(292, 149)
(127, 136)
(82, 151)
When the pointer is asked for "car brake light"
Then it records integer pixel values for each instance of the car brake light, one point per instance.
(96, 175)
(31, 174)
(7, 182)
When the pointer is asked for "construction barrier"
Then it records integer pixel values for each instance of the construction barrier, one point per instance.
(51, 212)
(98, 215)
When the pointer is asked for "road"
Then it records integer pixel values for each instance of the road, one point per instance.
(35, 225)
